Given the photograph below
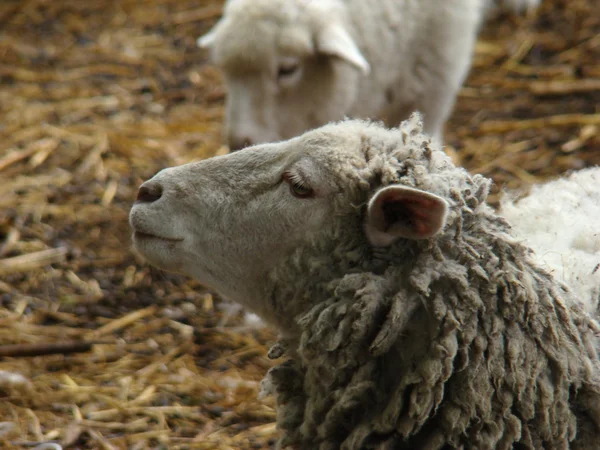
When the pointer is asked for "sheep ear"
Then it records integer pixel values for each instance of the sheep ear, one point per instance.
(207, 40)
(335, 40)
(399, 211)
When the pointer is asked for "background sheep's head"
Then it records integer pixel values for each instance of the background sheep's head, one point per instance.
(319, 203)
(288, 66)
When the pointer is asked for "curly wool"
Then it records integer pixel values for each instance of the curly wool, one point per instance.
(458, 342)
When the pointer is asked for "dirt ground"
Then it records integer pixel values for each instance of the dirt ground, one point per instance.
(97, 96)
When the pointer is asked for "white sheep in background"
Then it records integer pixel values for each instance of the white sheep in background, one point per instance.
(561, 221)
(411, 316)
(293, 65)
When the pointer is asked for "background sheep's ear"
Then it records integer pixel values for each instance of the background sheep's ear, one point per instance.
(207, 40)
(335, 40)
(399, 211)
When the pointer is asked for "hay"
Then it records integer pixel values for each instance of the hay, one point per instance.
(98, 350)
(530, 108)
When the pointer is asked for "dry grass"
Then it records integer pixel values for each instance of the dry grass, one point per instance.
(97, 96)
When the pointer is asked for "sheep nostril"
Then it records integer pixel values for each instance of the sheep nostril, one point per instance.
(149, 193)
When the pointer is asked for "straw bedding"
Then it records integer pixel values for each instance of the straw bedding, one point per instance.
(98, 350)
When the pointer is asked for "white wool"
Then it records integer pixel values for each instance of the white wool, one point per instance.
(560, 221)
(293, 65)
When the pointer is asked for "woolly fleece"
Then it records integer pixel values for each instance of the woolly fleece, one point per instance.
(560, 220)
(459, 342)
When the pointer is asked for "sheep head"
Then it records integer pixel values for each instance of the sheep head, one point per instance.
(289, 66)
(326, 199)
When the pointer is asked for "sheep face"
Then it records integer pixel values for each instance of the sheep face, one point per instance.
(285, 72)
(229, 221)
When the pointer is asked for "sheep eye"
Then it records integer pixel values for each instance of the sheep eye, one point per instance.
(298, 187)
(287, 70)
(300, 191)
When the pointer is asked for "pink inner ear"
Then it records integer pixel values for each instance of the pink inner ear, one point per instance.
(407, 212)
(419, 212)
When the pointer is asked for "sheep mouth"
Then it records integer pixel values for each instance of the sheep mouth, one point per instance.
(143, 236)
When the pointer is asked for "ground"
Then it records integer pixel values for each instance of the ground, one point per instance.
(96, 97)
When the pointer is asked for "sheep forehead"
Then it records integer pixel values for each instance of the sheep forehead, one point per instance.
(336, 148)
(252, 42)
(351, 155)
(334, 155)
(253, 32)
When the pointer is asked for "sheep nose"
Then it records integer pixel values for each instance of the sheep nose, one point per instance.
(149, 192)
(236, 144)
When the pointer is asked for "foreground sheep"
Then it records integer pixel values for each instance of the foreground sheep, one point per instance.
(411, 316)
(292, 65)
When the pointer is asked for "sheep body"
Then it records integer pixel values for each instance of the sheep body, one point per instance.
(292, 65)
(411, 317)
(560, 221)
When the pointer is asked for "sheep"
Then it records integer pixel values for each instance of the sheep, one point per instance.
(560, 220)
(292, 65)
(410, 316)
